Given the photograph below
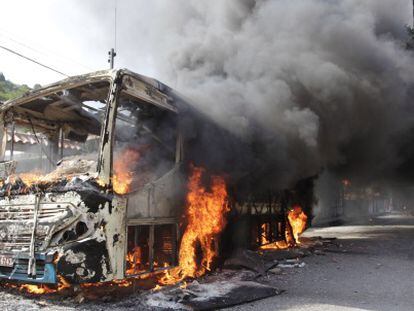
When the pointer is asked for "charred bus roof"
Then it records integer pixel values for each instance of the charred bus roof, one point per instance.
(101, 75)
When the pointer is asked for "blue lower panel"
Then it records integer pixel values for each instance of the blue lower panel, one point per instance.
(45, 272)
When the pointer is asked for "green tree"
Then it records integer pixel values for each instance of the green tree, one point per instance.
(9, 90)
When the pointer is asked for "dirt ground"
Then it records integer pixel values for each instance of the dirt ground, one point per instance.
(371, 270)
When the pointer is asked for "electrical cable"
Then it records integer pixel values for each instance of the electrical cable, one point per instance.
(45, 53)
(33, 61)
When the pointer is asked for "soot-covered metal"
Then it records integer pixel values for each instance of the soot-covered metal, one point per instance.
(93, 180)
(83, 162)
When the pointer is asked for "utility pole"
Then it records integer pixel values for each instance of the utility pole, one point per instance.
(111, 56)
(112, 53)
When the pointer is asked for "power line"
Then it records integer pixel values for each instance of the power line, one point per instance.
(33, 61)
(44, 52)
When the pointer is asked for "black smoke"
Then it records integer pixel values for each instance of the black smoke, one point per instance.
(305, 85)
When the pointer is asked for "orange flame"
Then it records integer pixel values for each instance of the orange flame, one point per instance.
(297, 221)
(266, 243)
(36, 289)
(122, 178)
(275, 245)
(134, 260)
(206, 219)
(30, 178)
(114, 283)
(123, 167)
(44, 289)
(206, 211)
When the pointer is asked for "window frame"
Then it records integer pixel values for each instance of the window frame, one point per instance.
(151, 240)
(72, 83)
(146, 93)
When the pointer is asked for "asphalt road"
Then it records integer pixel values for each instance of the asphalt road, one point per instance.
(373, 270)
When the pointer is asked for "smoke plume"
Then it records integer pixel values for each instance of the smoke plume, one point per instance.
(312, 84)
(319, 84)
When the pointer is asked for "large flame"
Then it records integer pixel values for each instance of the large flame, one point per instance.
(123, 170)
(206, 210)
(206, 215)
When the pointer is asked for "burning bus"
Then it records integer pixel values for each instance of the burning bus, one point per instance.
(93, 184)
(67, 206)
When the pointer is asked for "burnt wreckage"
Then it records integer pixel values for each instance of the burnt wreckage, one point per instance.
(59, 213)
(93, 181)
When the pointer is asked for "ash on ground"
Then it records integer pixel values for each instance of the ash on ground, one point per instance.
(245, 277)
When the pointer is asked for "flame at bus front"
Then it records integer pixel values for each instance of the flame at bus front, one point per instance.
(206, 216)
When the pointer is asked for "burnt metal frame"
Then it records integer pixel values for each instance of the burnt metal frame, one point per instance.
(152, 223)
(272, 211)
(105, 156)
(72, 82)
(114, 77)
(105, 162)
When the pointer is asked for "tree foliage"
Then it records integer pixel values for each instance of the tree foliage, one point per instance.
(9, 90)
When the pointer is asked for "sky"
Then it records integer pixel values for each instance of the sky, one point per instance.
(75, 36)
(71, 36)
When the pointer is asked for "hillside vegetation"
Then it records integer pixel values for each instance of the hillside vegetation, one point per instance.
(9, 90)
